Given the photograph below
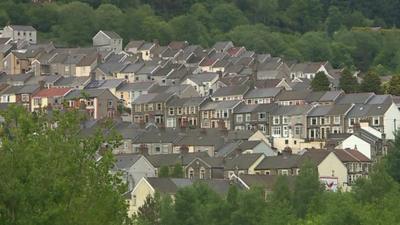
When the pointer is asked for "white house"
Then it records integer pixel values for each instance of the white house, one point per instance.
(108, 41)
(18, 32)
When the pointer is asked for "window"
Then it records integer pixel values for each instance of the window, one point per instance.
(171, 111)
(122, 95)
(286, 141)
(267, 172)
(285, 131)
(276, 120)
(336, 120)
(352, 121)
(322, 121)
(37, 101)
(297, 130)
(170, 122)
(202, 173)
(285, 120)
(25, 97)
(327, 120)
(276, 131)
(134, 200)
(375, 121)
(191, 173)
(248, 117)
(192, 110)
(159, 106)
(110, 103)
(261, 116)
(179, 111)
(239, 118)
(263, 128)
(313, 121)
(284, 172)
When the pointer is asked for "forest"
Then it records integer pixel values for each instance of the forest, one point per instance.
(359, 35)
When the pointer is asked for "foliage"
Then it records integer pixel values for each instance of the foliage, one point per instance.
(316, 30)
(347, 82)
(394, 86)
(371, 83)
(320, 82)
(164, 171)
(49, 175)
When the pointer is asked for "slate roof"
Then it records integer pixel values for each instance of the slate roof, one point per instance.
(242, 161)
(160, 160)
(111, 67)
(220, 105)
(279, 162)
(180, 102)
(364, 110)
(112, 34)
(125, 161)
(201, 78)
(263, 93)
(316, 156)
(127, 130)
(356, 98)
(293, 95)
(22, 27)
(91, 93)
(292, 110)
(158, 136)
(231, 90)
(137, 86)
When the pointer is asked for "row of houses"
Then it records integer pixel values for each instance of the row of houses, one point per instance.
(338, 169)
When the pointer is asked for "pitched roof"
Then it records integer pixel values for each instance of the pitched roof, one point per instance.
(22, 27)
(242, 161)
(350, 155)
(231, 90)
(90, 93)
(263, 93)
(355, 98)
(279, 162)
(111, 34)
(52, 92)
(293, 95)
(125, 161)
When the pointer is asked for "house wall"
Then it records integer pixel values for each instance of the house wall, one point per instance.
(30, 36)
(141, 168)
(196, 166)
(140, 193)
(354, 142)
(331, 166)
(391, 121)
(83, 71)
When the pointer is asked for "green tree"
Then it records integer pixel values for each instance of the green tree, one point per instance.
(77, 26)
(347, 82)
(177, 171)
(108, 17)
(320, 82)
(394, 85)
(227, 16)
(393, 159)
(333, 21)
(49, 175)
(371, 83)
(164, 171)
(308, 190)
(149, 212)
(279, 209)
